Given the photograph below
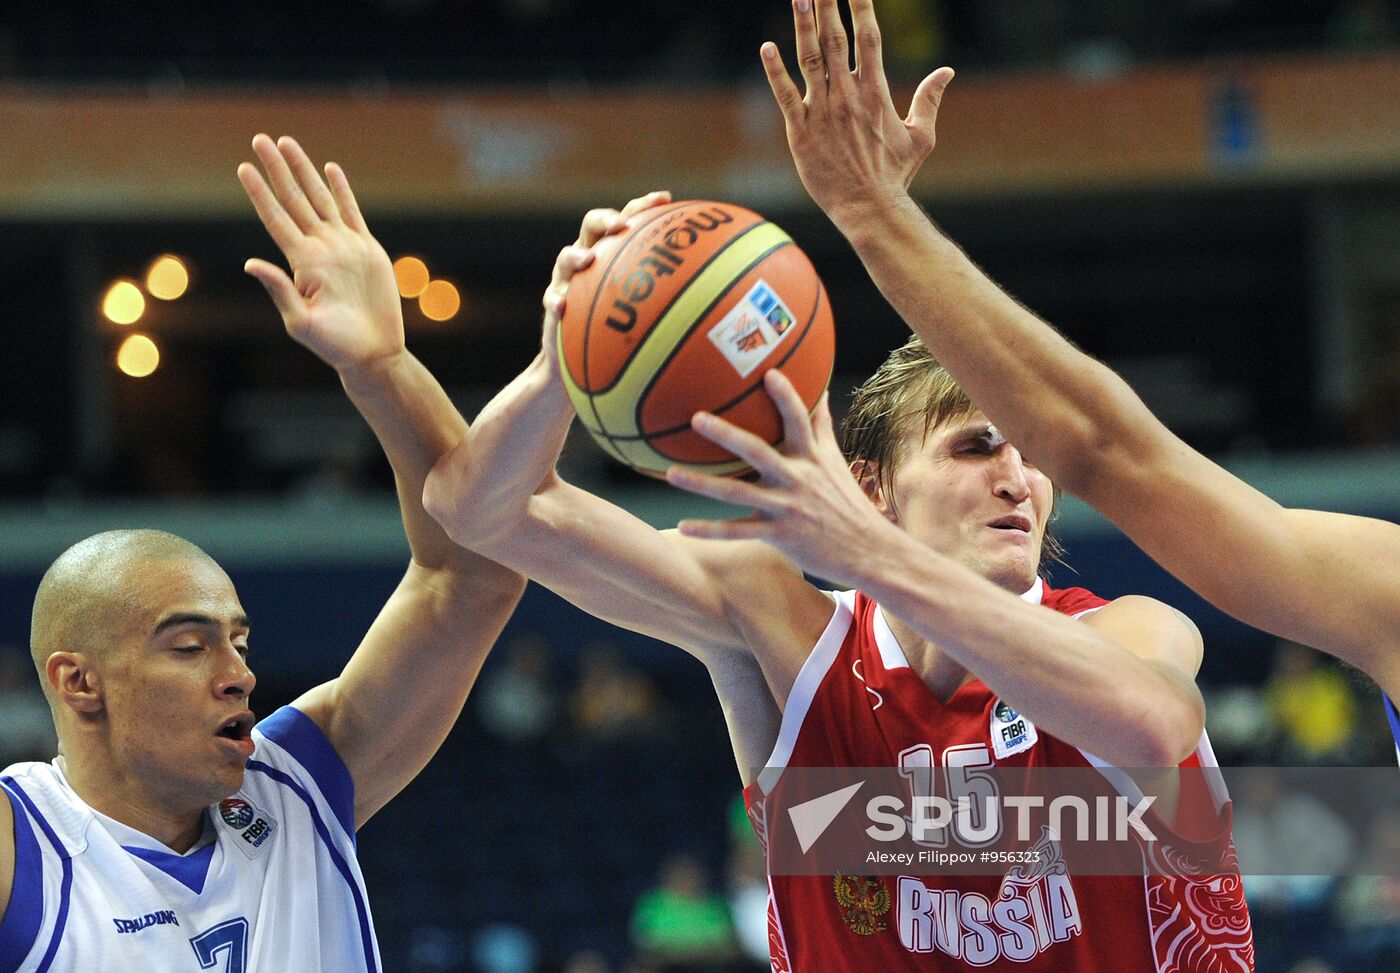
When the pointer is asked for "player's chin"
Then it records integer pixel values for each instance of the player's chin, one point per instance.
(1014, 570)
(229, 767)
(212, 787)
(229, 783)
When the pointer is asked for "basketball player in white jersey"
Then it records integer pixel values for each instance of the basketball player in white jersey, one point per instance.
(954, 568)
(1327, 580)
(173, 833)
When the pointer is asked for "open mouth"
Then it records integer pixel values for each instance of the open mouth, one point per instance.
(238, 728)
(1015, 522)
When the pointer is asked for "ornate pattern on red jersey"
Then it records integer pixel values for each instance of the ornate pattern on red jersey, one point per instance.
(856, 703)
(777, 949)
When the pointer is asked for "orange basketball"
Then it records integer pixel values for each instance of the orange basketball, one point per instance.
(685, 311)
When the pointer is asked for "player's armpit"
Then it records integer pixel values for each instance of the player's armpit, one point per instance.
(778, 614)
(1171, 644)
(404, 687)
(1151, 630)
(751, 714)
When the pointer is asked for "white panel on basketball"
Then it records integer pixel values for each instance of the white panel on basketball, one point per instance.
(616, 409)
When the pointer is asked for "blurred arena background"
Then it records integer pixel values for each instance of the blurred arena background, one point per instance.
(1205, 193)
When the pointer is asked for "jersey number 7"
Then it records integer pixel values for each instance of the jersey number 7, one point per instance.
(229, 938)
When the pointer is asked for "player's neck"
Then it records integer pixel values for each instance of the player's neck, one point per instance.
(943, 674)
(122, 798)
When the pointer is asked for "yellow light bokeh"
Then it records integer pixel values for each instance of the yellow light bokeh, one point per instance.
(439, 301)
(138, 356)
(412, 275)
(167, 279)
(123, 303)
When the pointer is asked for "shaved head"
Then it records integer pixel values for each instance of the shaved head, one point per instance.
(95, 585)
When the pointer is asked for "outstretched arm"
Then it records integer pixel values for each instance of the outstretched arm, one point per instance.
(1082, 423)
(1121, 686)
(7, 852)
(405, 685)
(498, 492)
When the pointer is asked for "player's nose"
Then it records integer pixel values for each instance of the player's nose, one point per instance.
(236, 679)
(1010, 478)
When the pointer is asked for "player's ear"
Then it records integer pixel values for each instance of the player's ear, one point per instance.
(867, 474)
(74, 681)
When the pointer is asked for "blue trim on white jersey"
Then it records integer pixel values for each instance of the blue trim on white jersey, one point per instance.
(20, 927)
(295, 732)
(362, 913)
(1393, 715)
(65, 891)
(189, 870)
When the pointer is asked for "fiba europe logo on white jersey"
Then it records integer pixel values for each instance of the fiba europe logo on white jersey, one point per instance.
(254, 826)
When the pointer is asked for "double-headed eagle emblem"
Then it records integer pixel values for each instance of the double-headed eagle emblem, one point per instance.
(862, 902)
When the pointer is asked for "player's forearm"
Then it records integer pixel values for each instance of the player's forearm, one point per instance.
(1070, 679)
(416, 424)
(1061, 407)
(481, 489)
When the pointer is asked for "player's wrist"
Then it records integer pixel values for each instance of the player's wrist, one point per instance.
(893, 554)
(546, 368)
(372, 370)
(862, 216)
(546, 380)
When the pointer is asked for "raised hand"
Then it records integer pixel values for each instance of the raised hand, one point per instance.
(806, 503)
(597, 223)
(854, 152)
(341, 300)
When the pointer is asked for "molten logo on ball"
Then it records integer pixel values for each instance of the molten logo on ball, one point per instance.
(640, 283)
(685, 311)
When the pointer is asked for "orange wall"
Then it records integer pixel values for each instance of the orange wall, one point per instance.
(138, 155)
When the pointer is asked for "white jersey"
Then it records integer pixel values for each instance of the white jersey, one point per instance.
(274, 886)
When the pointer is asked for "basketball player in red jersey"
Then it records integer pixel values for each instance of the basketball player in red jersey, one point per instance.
(1327, 580)
(952, 627)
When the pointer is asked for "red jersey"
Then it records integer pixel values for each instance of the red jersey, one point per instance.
(857, 703)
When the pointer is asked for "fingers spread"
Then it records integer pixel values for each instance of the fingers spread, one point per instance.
(811, 60)
(797, 426)
(725, 489)
(279, 287)
(752, 449)
(831, 35)
(281, 227)
(823, 426)
(923, 111)
(748, 528)
(785, 92)
(867, 37)
(870, 66)
(308, 178)
(344, 198)
(284, 184)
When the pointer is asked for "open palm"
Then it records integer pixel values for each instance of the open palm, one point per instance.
(341, 300)
(854, 152)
